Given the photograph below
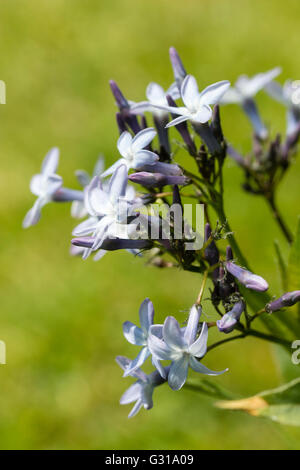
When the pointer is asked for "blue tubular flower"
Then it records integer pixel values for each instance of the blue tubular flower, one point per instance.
(142, 390)
(230, 319)
(242, 93)
(286, 300)
(44, 185)
(245, 277)
(197, 105)
(139, 337)
(182, 348)
(288, 95)
(133, 151)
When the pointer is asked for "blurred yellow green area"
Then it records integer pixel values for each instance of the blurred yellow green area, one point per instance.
(61, 317)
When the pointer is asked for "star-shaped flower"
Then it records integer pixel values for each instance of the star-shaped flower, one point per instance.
(44, 185)
(156, 96)
(109, 210)
(197, 104)
(133, 150)
(247, 87)
(182, 348)
(139, 337)
(142, 390)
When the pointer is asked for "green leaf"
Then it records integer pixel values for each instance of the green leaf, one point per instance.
(281, 404)
(288, 370)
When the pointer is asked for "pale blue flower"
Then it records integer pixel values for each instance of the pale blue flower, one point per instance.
(197, 105)
(242, 93)
(182, 347)
(139, 336)
(288, 95)
(133, 151)
(109, 210)
(142, 390)
(44, 185)
(156, 96)
(78, 209)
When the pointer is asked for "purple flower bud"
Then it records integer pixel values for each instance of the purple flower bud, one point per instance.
(207, 136)
(118, 95)
(177, 65)
(112, 244)
(286, 300)
(176, 196)
(121, 123)
(211, 252)
(248, 279)
(168, 169)
(216, 124)
(230, 319)
(151, 180)
(229, 254)
(67, 195)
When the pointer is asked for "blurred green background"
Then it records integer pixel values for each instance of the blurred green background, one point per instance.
(61, 317)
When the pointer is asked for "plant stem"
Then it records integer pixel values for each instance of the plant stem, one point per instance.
(277, 216)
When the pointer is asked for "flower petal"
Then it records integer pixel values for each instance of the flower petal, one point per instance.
(177, 121)
(198, 348)
(178, 373)
(146, 314)
(137, 362)
(34, 214)
(124, 144)
(133, 393)
(190, 92)
(134, 334)
(144, 157)
(155, 94)
(159, 348)
(86, 227)
(113, 167)
(259, 81)
(198, 367)
(159, 367)
(50, 162)
(213, 93)
(203, 114)
(143, 139)
(135, 409)
(83, 177)
(118, 183)
(192, 325)
(173, 335)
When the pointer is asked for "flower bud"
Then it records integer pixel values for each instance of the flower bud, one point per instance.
(112, 244)
(248, 279)
(151, 180)
(121, 101)
(230, 319)
(177, 65)
(211, 252)
(286, 300)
